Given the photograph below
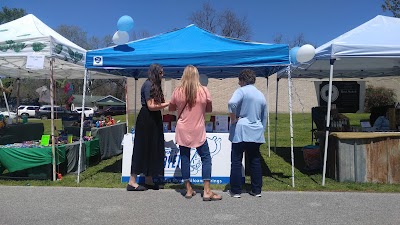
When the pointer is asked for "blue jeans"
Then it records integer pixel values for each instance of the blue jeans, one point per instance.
(204, 152)
(253, 152)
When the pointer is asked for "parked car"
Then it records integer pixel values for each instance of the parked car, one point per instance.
(88, 111)
(44, 112)
(27, 110)
(111, 111)
(5, 114)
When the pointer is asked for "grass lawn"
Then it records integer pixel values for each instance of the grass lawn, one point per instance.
(276, 168)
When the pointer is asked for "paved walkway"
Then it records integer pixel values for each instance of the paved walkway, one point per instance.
(63, 205)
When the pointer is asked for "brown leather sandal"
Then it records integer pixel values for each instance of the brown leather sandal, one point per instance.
(190, 196)
(212, 197)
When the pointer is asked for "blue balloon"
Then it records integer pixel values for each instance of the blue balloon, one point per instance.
(125, 23)
(293, 53)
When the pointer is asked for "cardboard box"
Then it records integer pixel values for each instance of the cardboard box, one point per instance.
(221, 123)
(209, 126)
(173, 126)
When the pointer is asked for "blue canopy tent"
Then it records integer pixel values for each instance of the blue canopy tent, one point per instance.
(213, 55)
(216, 56)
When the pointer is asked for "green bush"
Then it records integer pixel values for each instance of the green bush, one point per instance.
(378, 96)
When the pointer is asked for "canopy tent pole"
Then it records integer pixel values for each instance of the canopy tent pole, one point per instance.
(126, 105)
(53, 140)
(18, 98)
(328, 116)
(81, 130)
(136, 79)
(5, 97)
(276, 110)
(268, 124)
(291, 121)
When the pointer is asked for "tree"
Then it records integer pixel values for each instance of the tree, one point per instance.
(140, 34)
(107, 41)
(232, 26)
(205, 18)
(94, 43)
(378, 96)
(298, 40)
(392, 6)
(7, 14)
(74, 34)
(227, 23)
(277, 39)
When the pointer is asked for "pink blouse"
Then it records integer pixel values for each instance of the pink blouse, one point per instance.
(190, 128)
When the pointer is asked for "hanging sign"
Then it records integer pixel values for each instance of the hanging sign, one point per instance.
(35, 62)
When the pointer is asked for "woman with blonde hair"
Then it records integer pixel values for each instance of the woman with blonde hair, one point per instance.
(191, 100)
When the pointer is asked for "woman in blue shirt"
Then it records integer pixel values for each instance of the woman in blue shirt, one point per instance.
(247, 108)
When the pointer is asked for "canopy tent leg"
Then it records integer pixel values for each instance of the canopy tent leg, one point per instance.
(18, 97)
(53, 140)
(5, 97)
(126, 105)
(276, 110)
(136, 79)
(328, 116)
(81, 128)
(291, 122)
(268, 124)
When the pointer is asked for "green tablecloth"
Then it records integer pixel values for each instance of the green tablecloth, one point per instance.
(14, 159)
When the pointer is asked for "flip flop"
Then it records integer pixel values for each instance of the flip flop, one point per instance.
(190, 196)
(211, 198)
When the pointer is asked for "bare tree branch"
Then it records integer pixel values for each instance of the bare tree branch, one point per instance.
(205, 18)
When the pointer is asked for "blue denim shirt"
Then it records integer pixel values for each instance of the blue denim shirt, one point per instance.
(249, 104)
(381, 124)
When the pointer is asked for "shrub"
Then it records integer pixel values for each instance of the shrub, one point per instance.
(378, 96)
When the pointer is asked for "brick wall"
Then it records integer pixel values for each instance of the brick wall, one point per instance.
(304, 93)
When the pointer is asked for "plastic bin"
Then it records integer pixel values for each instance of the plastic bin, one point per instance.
(312, 157)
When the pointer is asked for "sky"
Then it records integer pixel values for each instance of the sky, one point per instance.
(318, 20)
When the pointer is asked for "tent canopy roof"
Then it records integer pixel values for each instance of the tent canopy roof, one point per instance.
(369, 50)
(29, 36)
(214, 55)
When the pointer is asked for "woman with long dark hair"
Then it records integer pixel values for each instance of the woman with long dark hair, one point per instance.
(148, 151)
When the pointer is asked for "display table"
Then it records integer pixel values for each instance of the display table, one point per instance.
(110, 139)
(17, 133)
(14, 159)
(220, 149)
(89, 149)
(363, 156)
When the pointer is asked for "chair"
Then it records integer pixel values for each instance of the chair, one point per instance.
(318, 117)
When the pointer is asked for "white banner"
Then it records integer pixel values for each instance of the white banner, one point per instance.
(220, 150)
(35, 62)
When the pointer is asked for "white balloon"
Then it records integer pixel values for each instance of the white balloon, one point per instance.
(120, 37)
(305, 53)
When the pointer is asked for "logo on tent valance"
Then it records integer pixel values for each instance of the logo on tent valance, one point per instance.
(98, 61)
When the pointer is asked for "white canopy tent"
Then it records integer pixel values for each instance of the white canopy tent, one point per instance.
(52, 55)
(369, 50)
